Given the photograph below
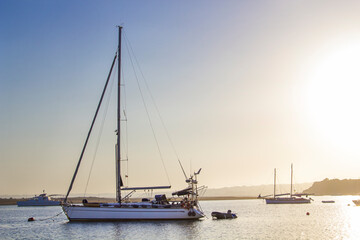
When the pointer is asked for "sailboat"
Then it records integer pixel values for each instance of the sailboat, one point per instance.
(185, 207)
(291, 199)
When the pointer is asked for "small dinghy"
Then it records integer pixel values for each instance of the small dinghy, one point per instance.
(220, 215)
(328, 201)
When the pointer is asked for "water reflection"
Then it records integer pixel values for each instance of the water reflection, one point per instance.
(256, 220)
(156, 230)
(352, 218)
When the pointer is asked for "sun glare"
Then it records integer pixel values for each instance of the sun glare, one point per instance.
(334, 97)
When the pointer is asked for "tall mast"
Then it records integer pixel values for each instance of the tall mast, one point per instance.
(274, 182)
(291, 180)
(118, 154)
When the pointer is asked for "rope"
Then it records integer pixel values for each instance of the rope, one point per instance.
(156, 108)
(90, 130)
(126, 127)
(100, 131)
(267, 180)
(294, 183)
(44, 219)
(146, 109)
(281, 188)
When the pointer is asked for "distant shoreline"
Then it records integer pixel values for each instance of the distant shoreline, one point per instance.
(12, 201)
(77, 200)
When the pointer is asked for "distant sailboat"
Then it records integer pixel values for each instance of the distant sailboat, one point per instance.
(160, 208)
(292, 199)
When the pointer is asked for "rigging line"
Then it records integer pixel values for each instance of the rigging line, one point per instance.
(156, 107)
(126, 126)
(281, 186)
(147, 112)
(89, 133)
(264, 185)
(126, 173)
(44, 219)
(295, 183)
(278, 184)
(124, 110)
(101, 129)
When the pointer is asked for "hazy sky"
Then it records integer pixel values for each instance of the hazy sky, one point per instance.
(243, 87)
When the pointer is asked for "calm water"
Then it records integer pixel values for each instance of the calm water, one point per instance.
(256, 220)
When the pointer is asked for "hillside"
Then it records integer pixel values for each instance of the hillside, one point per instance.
(335, 187)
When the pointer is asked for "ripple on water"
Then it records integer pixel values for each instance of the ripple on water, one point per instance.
(256, 220)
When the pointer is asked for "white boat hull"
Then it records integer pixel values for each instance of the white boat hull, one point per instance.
(287, 200)
(81, 213)
(40, 200)
(31, 203)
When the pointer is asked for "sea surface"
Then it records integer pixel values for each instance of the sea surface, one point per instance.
(256, 220)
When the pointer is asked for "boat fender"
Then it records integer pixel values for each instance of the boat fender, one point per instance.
(191, 213)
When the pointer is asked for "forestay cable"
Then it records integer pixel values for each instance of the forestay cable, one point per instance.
(101, 129)
(90, 130)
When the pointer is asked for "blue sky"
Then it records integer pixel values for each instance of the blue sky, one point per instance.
(243, 87)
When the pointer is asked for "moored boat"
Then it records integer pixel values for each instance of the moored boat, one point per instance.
(292, 199)
(39, 200)
(184, 207)
(287, 200)
(222, 215)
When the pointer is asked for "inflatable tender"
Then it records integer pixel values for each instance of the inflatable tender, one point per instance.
(220, 215)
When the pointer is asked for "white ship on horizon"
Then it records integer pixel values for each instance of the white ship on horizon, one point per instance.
(39, 200)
